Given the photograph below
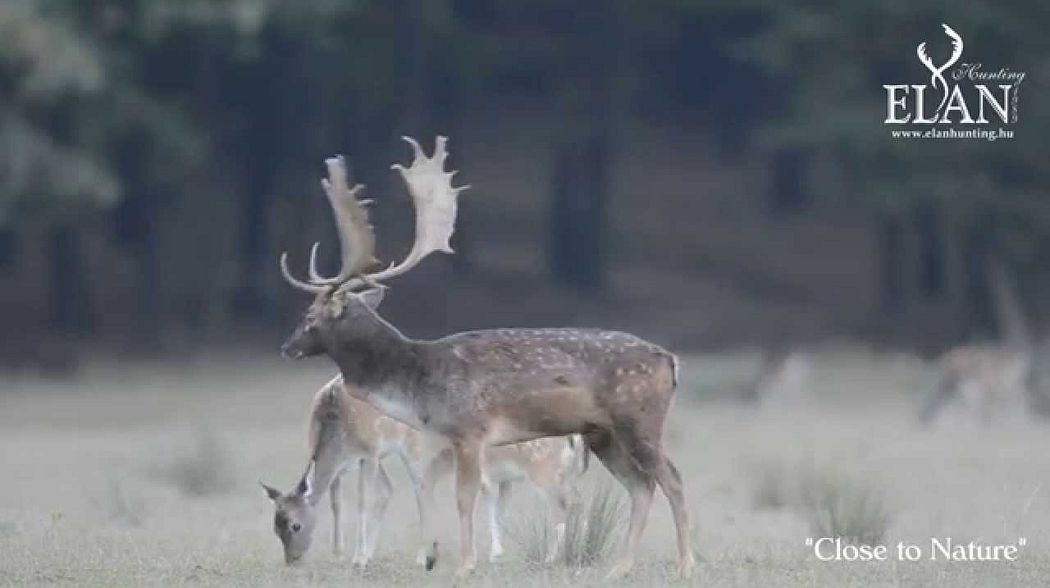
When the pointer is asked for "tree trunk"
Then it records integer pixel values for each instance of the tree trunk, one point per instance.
(592, 103)
(68, 300)
(891, 265)
(8, 249)
(249, 297)
(788, 193)
(931, 252)
(578, 216)
(979, 313)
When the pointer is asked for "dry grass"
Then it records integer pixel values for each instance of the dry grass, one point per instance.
(834, 502)
(840, 505)
(122, 504)
(592, 527)
(203, 465)
(772, 486)
(105, 487)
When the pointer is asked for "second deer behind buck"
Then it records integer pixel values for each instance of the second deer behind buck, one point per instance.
(487, 388)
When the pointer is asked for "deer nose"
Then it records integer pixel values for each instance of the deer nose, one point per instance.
(290, 352)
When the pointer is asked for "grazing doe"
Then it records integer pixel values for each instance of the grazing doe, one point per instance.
(345, 432)
(488, 388)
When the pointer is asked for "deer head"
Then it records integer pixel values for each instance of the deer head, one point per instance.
(295, 516)
(344, 305)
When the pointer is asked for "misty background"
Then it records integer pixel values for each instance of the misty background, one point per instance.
(713, 176)
(705, 174)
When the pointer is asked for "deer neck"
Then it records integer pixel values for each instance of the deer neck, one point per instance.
(377, 360)
(329, 455)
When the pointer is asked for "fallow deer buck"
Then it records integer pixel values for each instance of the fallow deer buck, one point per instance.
(345, 432)
(486, 388)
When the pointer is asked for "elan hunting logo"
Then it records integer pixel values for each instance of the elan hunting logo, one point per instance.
(963, 99)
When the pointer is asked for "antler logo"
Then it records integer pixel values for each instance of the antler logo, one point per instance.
(965, 93)
(937, 79)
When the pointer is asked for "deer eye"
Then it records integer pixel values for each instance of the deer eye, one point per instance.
(296, 527)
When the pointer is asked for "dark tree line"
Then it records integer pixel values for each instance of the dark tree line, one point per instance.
(178, 129)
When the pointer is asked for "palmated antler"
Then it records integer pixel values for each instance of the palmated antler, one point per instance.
(434, 200)
(357, 240)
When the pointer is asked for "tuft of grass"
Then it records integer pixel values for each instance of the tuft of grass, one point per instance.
(8, 529)
(205, 467)
(838, 505)
(772, 487)
(591, 529)
(121, 506)
(834, 503)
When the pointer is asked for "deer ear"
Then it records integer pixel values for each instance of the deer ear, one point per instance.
(271, 492)
(372, 297)
(306, 484)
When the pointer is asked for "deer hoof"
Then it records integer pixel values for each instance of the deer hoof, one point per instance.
(427, 556)
(620, 570)
(685, 569)
(465, 570)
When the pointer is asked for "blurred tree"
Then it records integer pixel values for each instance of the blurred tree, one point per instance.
(837, 55)
(51, 167)
(589, 89)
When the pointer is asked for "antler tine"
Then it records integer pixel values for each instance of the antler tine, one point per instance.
(304, 286)
(315, 276)
(434, 199)
(356, 237)
(417, 151)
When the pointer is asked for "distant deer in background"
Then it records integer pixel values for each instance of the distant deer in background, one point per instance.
(345, 432)
(782, 379)
(488, 388)
(989, 378)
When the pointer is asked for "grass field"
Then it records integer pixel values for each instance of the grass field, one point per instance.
(145, 474)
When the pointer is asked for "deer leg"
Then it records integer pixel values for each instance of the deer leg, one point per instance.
(501, 509)
(647, 454)
(468, 481)
(365, 482)
(438, 468)
(670, 481)
(496, 497)
(640, 487)
(381, 492)
(985, 404)
(491, 495)
(415, 471)
(946, 389)
(558, 503)
(336, 499)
